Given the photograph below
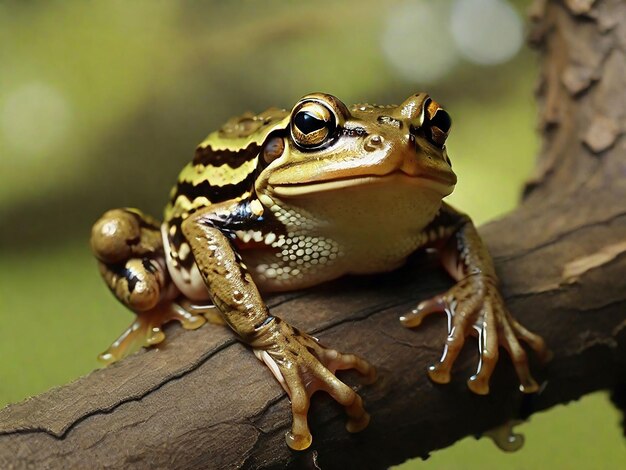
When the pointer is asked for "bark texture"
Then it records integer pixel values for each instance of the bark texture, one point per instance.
(204, 401)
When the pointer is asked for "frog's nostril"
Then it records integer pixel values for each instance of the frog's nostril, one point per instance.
(373, 142)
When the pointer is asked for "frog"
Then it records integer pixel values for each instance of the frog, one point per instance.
(289, 199)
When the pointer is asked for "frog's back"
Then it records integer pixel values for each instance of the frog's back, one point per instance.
(224, 166)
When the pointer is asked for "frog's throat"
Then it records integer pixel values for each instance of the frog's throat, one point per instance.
(442, 185)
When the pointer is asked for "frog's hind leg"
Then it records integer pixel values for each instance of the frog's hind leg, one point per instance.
(129, 249)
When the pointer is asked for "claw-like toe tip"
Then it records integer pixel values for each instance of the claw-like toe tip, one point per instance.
(156, 337)
(358, 424)
(194, 322)
(106, 358)
(529, 387)
(411, 320)
(478, 386)
(438, 375)
(298, 442)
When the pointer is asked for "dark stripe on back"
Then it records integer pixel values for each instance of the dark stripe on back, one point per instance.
(215, 194)
(233, 158)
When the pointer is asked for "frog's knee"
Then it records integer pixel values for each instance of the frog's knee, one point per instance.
(129, 249)
(122, 233)
(113, 235)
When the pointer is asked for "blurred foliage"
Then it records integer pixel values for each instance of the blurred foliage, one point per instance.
(102, 103)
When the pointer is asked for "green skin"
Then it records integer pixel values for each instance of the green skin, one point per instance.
(315, 189)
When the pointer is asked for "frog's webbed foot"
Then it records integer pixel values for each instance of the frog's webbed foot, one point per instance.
(303, 366)
(147, 330)
(474, 306)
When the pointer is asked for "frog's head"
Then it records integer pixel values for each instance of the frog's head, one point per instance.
(326, 146)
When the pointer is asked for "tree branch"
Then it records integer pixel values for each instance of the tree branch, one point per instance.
(203, 400)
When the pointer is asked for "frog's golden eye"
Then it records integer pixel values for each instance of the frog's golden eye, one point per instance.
(312, 124)
(437, 123)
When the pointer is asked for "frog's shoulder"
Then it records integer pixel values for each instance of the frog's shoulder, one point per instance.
(225, 163)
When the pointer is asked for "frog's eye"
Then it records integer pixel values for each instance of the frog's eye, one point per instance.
(312, 124)
(436, 125)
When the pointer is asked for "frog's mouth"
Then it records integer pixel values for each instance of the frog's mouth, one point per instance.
(441, 183)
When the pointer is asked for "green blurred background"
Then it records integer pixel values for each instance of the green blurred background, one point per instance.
(102, 103)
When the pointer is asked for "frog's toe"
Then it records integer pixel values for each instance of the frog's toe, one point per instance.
(140, 333)
(488, 351)
(535, 341)
(427, 307)
(335, 361)
(303, 366)
(302, 385)
(188, 320)
(318, 373)
(147, 330)
(459, 326)
(300, 391)
(299, 438)
(495, 328)
(461, 318)
(519, 358)
(299, 441)
(440, 372)
(209, 311)
(324, 371)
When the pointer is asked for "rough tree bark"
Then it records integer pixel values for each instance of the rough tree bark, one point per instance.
(204, 401)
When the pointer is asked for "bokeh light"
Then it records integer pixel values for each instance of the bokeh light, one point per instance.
(417, 41)
(423, 41)
(34, 119)
(486, 31)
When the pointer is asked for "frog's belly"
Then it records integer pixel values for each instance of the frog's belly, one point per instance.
(312, 260)
(272, 270)
(306, 261)
(322, 263)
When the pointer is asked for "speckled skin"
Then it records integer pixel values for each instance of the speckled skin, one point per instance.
(285, 200)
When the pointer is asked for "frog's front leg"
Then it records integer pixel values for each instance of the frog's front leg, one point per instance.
(300, 363)
(474, 305)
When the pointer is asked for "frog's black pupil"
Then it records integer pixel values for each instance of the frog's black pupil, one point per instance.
(308, 123)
